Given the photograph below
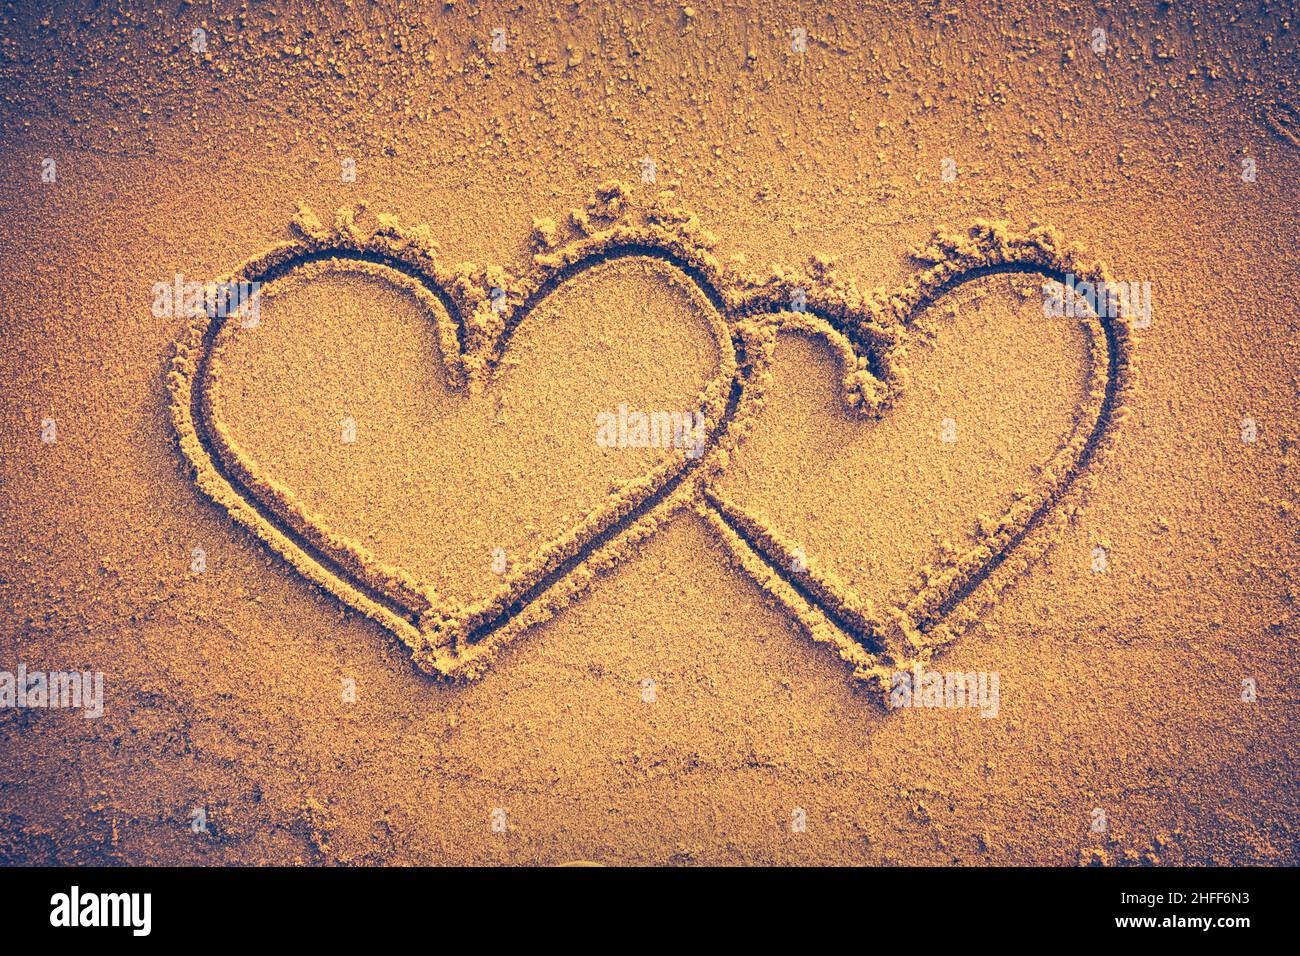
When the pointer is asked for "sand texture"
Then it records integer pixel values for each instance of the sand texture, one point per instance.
(630, 397)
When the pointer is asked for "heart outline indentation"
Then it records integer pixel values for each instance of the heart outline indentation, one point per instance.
(955, 597)
(446, 640)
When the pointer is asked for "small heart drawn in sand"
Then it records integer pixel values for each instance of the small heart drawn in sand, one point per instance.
(883, 497)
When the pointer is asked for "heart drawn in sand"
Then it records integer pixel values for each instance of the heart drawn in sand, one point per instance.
(878, 495)
(420, 440)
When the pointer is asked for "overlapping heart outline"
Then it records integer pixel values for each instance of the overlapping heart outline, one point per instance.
(868, 332)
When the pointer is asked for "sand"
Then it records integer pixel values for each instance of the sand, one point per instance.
(438, 620)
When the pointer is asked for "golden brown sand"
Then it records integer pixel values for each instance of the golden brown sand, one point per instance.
(637, 655)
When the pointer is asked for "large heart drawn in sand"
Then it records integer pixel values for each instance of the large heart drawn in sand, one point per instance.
(455, 453)
(472, 398)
